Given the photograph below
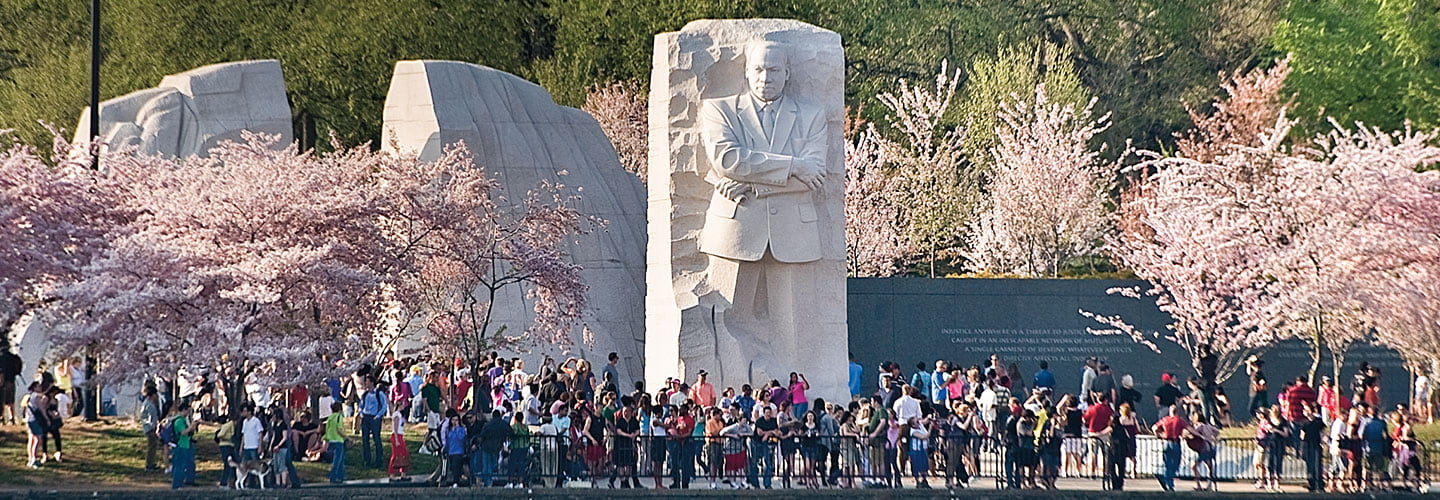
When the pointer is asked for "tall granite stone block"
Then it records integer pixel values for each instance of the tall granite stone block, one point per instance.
(746, 261)
(189, 113)
(520, 136)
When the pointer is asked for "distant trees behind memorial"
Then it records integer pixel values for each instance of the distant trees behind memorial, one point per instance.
(928, 209)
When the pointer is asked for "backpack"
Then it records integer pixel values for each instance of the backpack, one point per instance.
(166, 432)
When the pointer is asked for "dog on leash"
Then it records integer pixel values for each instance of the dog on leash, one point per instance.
(247, 468)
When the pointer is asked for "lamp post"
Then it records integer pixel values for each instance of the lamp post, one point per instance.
(92, 390)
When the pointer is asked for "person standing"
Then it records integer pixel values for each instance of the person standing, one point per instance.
(939, 381)
(373, 408)
(1166, 395)
(37, 423)
(798, 385)
(251, 430)
(1312, 441)
(1044, 379)
(1170, 429)
(702, 392)
(492, 441)
(1088, 374)
(281, 444)
(1204, 439)
(182, 458)
(520, 453)
(454, 449)
(857, 374)
(149, 421)
(10, 368)
(1259, 387)
(335, 437)
(225, 442)
(611, 369)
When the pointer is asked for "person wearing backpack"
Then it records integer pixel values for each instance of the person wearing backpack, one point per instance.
(182, 458)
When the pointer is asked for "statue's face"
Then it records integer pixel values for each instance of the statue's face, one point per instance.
(765, 70)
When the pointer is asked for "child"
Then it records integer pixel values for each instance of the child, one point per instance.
(399, 453)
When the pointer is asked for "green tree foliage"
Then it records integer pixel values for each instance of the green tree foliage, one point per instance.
(337, 54)
(1374, 61)
(1011, 76)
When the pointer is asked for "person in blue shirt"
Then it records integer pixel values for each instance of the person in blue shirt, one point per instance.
(374, 407)
(857, 373)
(455, 448)
(939, 394)
(921, 379)
(1044, 378)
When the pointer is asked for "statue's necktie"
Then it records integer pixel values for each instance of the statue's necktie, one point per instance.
(768, 122)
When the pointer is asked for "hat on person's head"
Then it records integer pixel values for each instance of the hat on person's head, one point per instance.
(1166, 377)
(1127, 381)
(1254, 360)
(703, 373)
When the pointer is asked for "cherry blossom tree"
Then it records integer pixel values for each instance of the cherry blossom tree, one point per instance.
(472, 244)
(1186, 226)
(1347, 209)
(873, 242)
(264, 263)
(53, 218)
(622, 111)
(935, 191)
(1048, 191)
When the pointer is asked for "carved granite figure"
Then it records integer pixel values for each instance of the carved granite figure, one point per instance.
(520, 137)
(189, 113)
(746, 271)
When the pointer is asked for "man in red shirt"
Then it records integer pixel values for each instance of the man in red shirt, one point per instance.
(1096, 419)
(1170, 429)
(1296, 398)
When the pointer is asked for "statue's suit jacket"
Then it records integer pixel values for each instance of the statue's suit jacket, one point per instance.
(779, 213)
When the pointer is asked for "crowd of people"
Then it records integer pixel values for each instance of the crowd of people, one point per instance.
(499, 423)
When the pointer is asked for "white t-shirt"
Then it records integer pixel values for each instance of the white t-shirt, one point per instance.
(250, 434)
(759, 410)
(324, 410)
(62, 403)
(532, 410)
(906, 408)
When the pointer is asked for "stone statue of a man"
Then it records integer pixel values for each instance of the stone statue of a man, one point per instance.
(767, 158)
(766, 151)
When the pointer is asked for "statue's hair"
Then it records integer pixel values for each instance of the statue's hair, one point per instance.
(758, 46)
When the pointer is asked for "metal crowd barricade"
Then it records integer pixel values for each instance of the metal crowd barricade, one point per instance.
(851, 461)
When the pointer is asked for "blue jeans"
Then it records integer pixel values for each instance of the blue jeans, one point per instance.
(919, 464)
(227, 473)
(337, 462)
(370, 433)
(682, 464)
(800, 409)
(488, 462)
(182, 466)
(248, 454)
(1172, 465)
(760, 453)
(1012, 476)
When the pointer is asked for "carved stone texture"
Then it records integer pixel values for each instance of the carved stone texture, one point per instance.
(520, 136)
(189, 113)
(746, 262)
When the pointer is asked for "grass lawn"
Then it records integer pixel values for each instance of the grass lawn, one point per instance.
(111, 453)
(1426, 433)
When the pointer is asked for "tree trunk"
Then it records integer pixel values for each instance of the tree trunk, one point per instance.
(1317, 348)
